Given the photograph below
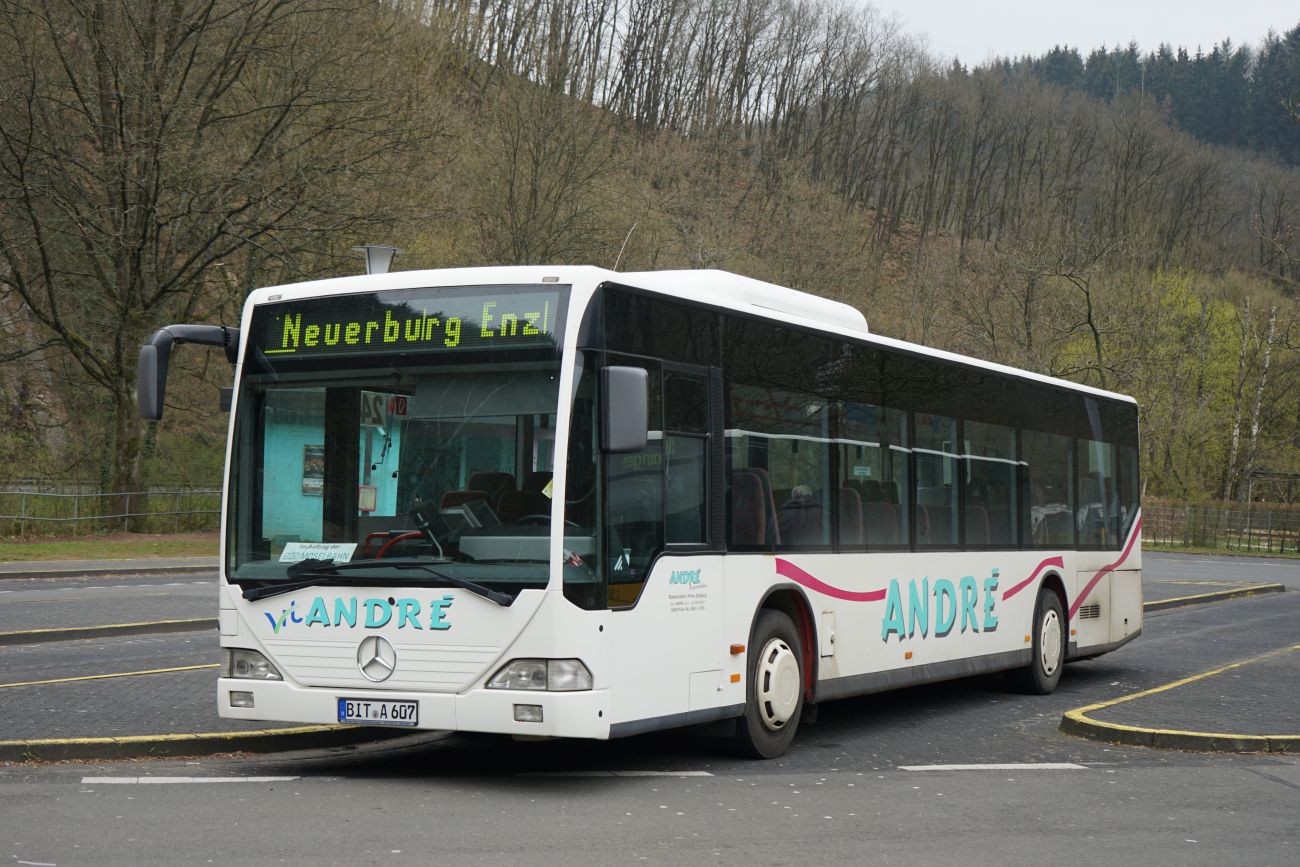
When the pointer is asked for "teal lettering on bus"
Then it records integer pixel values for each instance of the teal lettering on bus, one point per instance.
(438, 612)
(893, 622)
(378, 613)
(937, 609)
(318, 613)
(345, 611)
(403, 613)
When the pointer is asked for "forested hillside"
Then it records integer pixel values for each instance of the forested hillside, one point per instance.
(994, 212)
(1233, 95)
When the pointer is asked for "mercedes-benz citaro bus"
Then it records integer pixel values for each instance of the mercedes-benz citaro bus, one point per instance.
(571, 502)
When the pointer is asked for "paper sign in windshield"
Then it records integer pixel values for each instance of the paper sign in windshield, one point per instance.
(339, 552)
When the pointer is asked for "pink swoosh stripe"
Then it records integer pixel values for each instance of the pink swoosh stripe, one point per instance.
(1110, 567)
(794, 573)
(1058, 562)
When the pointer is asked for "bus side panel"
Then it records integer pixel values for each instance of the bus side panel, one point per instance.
(1125, 605)
(669, 653)
(895, 612)
(1105, 603)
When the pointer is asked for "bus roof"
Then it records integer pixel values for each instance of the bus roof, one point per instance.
(722, 289)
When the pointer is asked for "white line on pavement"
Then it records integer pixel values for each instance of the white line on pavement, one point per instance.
(131, 781)
(614, 774)
(1009, 766)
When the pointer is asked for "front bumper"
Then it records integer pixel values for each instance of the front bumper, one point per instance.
(564, 714)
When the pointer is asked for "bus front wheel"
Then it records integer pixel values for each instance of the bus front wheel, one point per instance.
(774, 688)
(1043, 673)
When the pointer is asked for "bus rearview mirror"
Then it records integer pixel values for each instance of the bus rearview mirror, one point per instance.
(151, 369)
(150, 382)
(625, 396)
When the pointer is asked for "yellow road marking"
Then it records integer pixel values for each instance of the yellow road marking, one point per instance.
(1224, 583)
(1245, 590)
(79, 598)
(1080, 715)
(107, 676)
(198, 736)
(108, 626)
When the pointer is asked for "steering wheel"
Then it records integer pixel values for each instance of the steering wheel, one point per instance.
(393, 541)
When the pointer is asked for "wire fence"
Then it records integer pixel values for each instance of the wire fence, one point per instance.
(1256, 529)
(28, 512)
(42, 513)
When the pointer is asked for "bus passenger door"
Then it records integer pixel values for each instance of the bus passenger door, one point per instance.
(695, 586)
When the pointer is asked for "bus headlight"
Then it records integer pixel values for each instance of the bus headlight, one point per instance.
(550, 675)
(249, 665)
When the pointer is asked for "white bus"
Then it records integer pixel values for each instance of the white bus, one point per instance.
(570, 502)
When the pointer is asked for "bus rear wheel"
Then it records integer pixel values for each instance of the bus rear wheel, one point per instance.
(1043, 673)
(774, 688)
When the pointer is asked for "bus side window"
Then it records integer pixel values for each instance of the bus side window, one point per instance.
(686, 426)
(1050, 482)
(1128, 488)
(780, 488)
(989, 501)
(873, 468)
(1098, 510)
(935, 444)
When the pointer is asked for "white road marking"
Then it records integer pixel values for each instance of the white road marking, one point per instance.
(131, 781)
(615, 774)
(1010, 766)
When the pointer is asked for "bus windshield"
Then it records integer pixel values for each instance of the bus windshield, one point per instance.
(410, 468)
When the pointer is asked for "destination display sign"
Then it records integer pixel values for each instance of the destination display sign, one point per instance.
(455, 320)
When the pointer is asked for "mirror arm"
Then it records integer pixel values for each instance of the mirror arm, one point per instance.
(151, 370)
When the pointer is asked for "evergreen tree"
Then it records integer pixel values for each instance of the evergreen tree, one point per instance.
(1274, 86)
(1061, 66)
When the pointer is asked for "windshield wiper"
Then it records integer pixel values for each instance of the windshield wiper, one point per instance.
(326, 573)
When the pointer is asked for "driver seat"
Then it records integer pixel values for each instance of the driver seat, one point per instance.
(519, 504)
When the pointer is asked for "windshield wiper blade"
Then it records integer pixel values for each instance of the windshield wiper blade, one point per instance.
(322, 578)
(499, 598)
(326, 573)
(311, 564)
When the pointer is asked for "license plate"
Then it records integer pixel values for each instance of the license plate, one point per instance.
(371, 712)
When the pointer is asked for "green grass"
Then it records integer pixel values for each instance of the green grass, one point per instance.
(1223, 552)
(116, 546)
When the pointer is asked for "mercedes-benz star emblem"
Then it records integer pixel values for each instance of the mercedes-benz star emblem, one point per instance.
(376, 658)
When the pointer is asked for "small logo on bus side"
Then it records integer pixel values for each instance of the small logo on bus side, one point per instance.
(684, 576)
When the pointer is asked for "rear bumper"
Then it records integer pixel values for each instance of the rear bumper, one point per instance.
(564, 714)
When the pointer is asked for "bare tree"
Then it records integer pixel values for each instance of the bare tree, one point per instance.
(143, 144)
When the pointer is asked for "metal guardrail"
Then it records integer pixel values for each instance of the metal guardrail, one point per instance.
(25, 512)
(1254, 529)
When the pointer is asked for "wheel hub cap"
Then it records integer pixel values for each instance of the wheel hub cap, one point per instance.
(777, 687)
(1049, 644)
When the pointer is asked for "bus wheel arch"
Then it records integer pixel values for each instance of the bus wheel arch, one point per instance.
(1052, 581)
(1049, 630)
(779, 675)
(794, 605)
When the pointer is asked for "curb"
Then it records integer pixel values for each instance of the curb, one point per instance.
(198, 744)
(1074, 723)
(1078, 723)
(1216, 596)
(73, 633)
(108, 571)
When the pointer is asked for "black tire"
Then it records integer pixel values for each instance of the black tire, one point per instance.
(774, 689)
(1043, 673)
